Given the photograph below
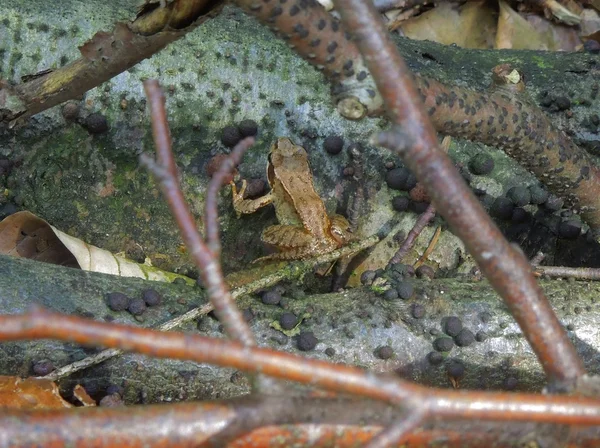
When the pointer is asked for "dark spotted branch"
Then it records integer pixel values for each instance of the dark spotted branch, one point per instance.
(499, 117)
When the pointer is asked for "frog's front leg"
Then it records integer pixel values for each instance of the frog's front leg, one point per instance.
(246, 206)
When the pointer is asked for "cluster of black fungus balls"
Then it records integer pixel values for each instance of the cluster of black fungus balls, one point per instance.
(117, 301)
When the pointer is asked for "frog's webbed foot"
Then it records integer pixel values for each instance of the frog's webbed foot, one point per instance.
(243, 206)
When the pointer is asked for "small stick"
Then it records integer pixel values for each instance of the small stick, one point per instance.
(537, 259)
(567, 272)
(393, 434)
(430, 248)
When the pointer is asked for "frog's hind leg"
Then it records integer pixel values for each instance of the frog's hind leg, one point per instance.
(287, 237)
(293, 242)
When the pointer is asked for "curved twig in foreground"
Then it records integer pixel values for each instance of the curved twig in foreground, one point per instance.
(435, 403)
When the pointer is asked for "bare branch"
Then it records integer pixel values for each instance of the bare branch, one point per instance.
(207, 262)
(506, 269)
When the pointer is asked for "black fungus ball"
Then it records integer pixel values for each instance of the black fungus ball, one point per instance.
(519, 215)
(42, 367)
(481, 164)
(390, 294)
(7, 210)
(400, 203)
(117, 301)
(569, 229)
(417, 311)
(455, 368)
(330, 351)
(248, 128)
(443, 344)
(520, 196)
(452, 325)
(425, 271)
(502, 208)
(367, 277)
(115, 389)
(70, 111)
(111, 401)
(96, 123)
(562, 102)
(481, 336)
(271, 297)
(418, 207)
(397, 178)
(464, 338)
(384, 352)
(248, 315)
(288, 321)
(333, 144)
(231, 136)
(306, 341)
(151, 297)
(435, 358)
(405, 290)
(592, 46)
(510, 383)
(137, 307)
(538, 195)
(553, 203)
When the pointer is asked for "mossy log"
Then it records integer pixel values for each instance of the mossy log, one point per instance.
(231, 68)
(351, 327)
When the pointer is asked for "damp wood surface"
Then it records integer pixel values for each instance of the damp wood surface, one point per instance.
(351, 328)
(229, 69)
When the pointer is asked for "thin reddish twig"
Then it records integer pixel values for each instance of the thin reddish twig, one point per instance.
(414, 233)
(506, 269)
(165, 171)
(435, 403)
(213, 240)
(398, 430)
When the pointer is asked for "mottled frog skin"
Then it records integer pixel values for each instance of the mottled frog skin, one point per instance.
(304, 229)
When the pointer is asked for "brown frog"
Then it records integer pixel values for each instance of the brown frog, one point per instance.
(304, 228)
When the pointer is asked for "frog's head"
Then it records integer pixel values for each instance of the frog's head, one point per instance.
(340, 229)
(285, 148)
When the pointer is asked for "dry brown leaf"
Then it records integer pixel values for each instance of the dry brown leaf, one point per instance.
(470, 26)
(25, 235)
(30, 393)
(81, 394)
(516, 33)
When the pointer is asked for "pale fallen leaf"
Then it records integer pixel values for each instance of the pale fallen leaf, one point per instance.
(470, 26)
(516, 33)
(590, 23)
(25, 235)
